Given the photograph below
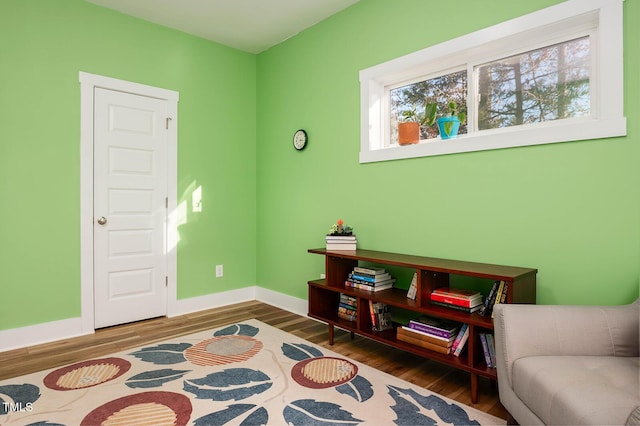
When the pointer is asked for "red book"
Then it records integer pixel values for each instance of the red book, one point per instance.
(459, 293)
(456, 301)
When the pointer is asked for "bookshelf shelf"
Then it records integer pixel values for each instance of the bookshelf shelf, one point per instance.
(432, 273)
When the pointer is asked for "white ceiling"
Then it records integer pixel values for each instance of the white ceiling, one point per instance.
(249, 25)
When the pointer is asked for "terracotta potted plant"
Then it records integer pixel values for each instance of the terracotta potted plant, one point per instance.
(409, 128)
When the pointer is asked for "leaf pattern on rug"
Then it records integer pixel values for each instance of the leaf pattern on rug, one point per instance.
(358, 388)
(19, 395)
(231, 384)
(409, 404)
(300, 351)
(311, 412)
(253, 415)
(238, 330)
(155, 378)
(163, 354)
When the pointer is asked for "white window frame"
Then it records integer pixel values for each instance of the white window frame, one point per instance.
(600, 19)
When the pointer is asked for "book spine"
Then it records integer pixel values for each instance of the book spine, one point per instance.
(372, 312)
(487, 301)
(503, 296)
(462, 343)
(347, 306)
(370, 279)
(459, 294)
(369, 271)
(338, 247)
(413, 287)
(454, 301)
(348, 314)
(348, 311)
(430, 330)
(356, 278)
(456, 307)
(363, 285)
(496, 298)
(456, 342)
(492, 349)
(423, 344)
(422, 333)
(348, 299)
(362, 278)
(468, 301)
(500, 290)
(485, 349)
(425, 337)
(359, 285)
(381, 315)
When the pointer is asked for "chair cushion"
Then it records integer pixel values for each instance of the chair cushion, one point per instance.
(578, 390)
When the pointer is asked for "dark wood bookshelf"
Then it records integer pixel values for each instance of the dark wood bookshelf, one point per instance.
(432, 273)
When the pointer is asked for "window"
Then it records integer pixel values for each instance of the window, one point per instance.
(552, 76)
(545, 84)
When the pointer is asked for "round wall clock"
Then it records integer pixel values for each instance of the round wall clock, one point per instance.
(300, 139)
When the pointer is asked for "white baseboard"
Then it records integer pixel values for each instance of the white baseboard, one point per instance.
(282, 301)
(210, 301)
(16, 338)
(22, 337)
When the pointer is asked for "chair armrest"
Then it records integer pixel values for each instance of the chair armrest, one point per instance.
(537, 330)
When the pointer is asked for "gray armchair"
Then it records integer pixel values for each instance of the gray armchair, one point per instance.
(568, 365)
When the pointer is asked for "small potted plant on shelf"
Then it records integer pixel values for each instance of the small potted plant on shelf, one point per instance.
(339, 228)
(341, 237)
(450, 123)
(409, 128)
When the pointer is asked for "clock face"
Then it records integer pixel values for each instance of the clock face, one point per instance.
(300, 139)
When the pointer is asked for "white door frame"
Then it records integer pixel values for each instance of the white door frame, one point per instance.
(88, 82)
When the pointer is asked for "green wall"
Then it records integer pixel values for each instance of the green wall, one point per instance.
(43, 46)
(572, 210)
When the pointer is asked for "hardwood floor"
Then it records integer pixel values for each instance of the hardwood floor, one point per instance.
(438, 378)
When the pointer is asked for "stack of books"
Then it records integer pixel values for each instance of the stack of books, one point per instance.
(341, 242)
(435, 334)
(380, 316)
(348, 307)
(461, 340)
(497, 294)
(371, 279)
(489, 349)
(462, 300)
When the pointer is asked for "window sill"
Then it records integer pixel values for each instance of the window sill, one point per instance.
(538, 134)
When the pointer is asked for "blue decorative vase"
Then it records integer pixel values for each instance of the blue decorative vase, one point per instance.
(448, 127)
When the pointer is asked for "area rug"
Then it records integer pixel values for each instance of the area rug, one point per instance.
(243, 374)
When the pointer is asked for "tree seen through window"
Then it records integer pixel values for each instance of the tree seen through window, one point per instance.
(541, 85)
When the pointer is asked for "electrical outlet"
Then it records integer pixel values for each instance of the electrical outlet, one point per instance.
(219, 271)
(322, 276)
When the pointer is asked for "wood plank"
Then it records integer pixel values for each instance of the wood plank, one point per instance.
(445, 380)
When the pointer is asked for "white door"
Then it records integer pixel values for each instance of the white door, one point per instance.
(130, 207)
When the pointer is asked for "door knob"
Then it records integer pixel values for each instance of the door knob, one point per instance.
(102, 220)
